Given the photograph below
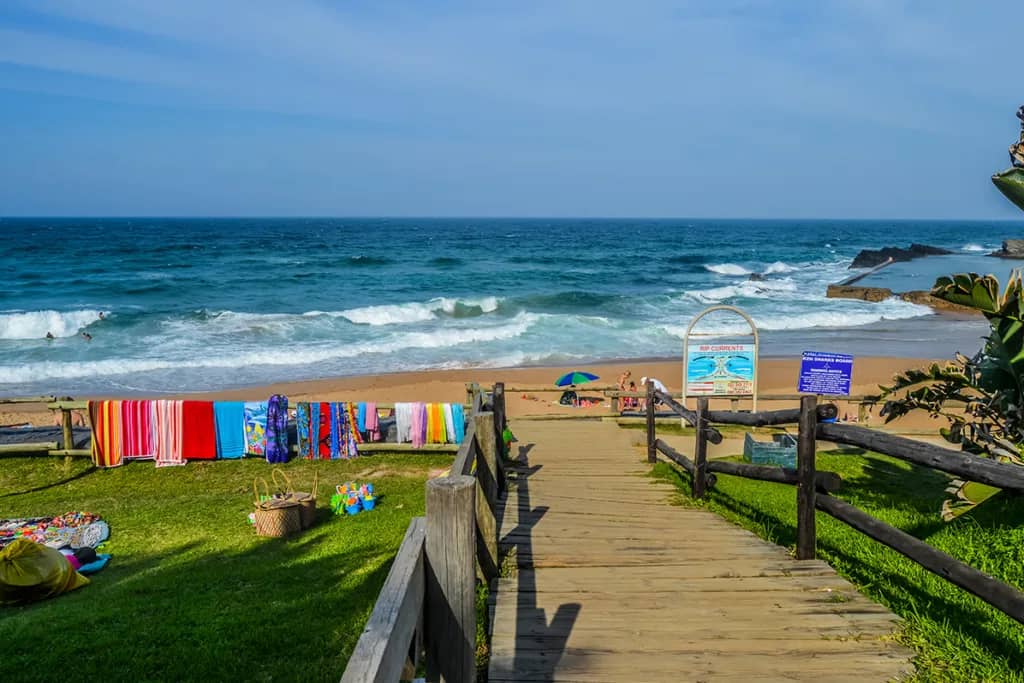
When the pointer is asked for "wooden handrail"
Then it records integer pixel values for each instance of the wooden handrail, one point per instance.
(963, 465)
(713, 435)
(810, 482)
(381, 653)
(461, 534)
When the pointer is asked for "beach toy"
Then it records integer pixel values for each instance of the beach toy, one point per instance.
(369, 502)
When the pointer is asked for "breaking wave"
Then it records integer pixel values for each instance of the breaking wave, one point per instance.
(35, 324)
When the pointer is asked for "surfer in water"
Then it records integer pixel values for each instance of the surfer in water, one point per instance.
(49, 336)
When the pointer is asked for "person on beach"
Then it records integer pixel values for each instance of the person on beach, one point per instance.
(658, 386)
(632, 401)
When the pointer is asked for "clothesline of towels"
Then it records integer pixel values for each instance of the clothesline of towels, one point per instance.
(174, 432)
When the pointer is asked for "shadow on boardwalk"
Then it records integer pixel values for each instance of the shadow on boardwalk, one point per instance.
(533, 629)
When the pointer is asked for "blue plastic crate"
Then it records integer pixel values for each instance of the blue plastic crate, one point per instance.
(781, 450)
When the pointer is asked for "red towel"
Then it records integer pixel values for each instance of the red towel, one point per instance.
(324, 447)
(198, 434)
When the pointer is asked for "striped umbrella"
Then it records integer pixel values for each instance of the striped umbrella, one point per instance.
(575, 377)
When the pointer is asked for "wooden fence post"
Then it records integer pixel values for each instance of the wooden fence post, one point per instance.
(451, 580)
(805, 489)
(652, 452)
(487, 494)
(500, 422)
(700, 451)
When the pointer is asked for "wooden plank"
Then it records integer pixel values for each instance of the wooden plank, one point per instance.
(451, 579)
(486, 495)
(824, 481)
(1002, 596)
(713, 435)
(381, 652)
(28, 399)
(963, 465)
(43, 447)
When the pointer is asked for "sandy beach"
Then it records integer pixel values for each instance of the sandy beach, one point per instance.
(775, 376)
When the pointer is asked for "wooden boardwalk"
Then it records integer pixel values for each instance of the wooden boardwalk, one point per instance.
(615, 584)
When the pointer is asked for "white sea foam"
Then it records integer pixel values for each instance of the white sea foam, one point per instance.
(294, 354)
(728, 269)
(750, 289)
(414, 312)
(779, 267)
(35, 324)
(973, 247)
(893, 309)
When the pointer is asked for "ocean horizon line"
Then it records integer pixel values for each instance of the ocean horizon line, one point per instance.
(503, 217)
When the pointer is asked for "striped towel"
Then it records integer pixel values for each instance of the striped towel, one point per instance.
(137, 430)
(107, 445)
(229, 419)
(167, 433)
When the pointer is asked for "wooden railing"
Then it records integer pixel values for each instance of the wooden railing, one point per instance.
(864, 402)
(814, 489)
(428, 602)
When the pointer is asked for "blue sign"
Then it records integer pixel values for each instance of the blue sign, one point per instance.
(826, 373)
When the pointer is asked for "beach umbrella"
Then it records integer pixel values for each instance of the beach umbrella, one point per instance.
(575, 377)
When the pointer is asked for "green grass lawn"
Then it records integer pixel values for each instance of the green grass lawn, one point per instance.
(957, 637)
(191, 593)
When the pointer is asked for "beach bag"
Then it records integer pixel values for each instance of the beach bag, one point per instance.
(31, 571)
(306, 501)
(275, 516)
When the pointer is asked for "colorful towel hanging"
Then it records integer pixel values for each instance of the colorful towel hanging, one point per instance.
(372, 424)
(314, 431)
(277, 429)
(105, 417)
(459, 421)
(255, 428)
(167, 433)
(302, 428)
(229, 418)
(324, 442)
(136, 430)
(198, 431)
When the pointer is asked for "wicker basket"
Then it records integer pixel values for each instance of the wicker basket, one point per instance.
(306, 501)
(276, 517)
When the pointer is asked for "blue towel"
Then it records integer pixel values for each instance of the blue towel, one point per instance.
(229, 418)
(335, 431)
(99, 563)
(361, 417)
(314, 428)
(459, 418)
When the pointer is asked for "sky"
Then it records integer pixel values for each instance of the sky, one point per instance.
(718, 108)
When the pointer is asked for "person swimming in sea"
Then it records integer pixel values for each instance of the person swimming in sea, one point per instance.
(49, 336)
(86, 336)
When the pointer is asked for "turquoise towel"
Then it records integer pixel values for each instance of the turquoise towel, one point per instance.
(459, 418)
(229, 417)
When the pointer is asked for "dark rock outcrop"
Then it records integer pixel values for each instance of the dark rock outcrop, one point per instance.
(926, 299)
(869, 258)
(1011, 249)
(862, 293)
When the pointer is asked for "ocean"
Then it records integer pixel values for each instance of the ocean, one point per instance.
(201, 304)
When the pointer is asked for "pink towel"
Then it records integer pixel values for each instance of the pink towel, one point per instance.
(137, 430)
(167, 433)
(419, 424)
(372, 423)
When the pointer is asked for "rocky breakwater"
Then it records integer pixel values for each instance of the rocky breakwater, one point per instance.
(876, 294)
(1011, 249)
(869, 258)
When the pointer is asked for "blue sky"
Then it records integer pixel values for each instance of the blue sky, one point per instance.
(859, 108)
